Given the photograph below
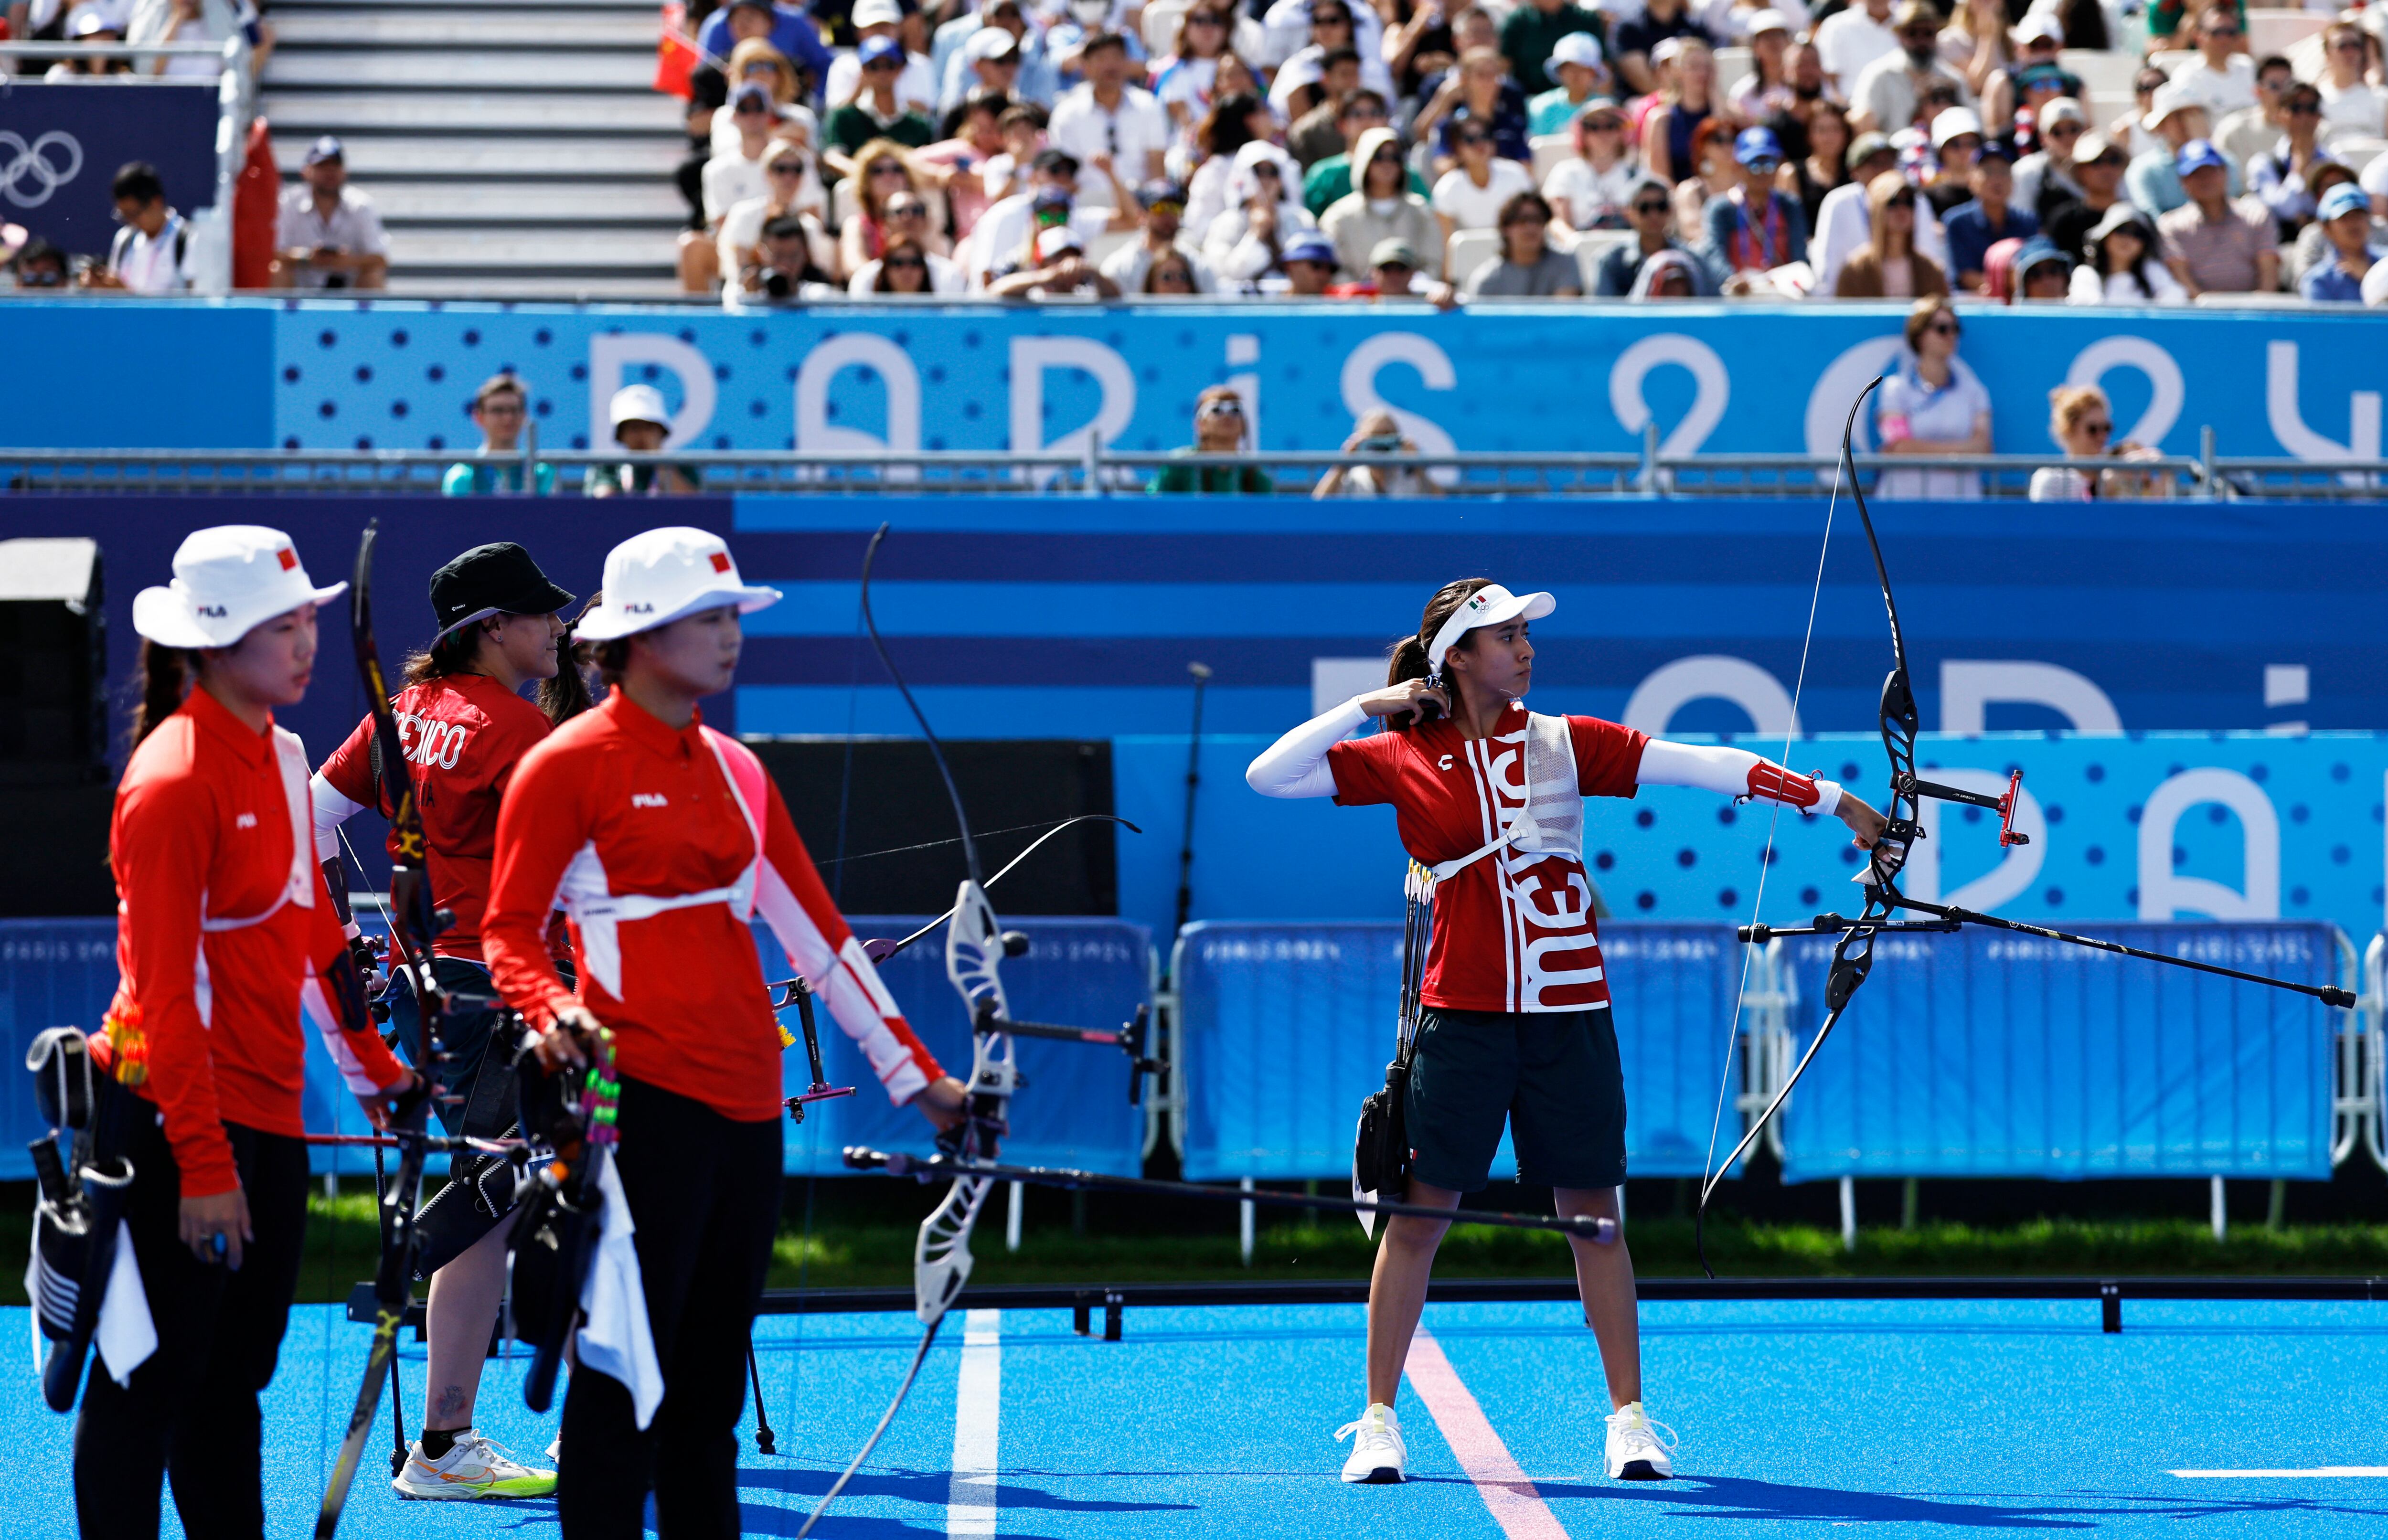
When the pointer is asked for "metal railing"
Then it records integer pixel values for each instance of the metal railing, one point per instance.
(1094, 469)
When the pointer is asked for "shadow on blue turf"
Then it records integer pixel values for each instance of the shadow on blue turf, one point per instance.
(1730, 1497)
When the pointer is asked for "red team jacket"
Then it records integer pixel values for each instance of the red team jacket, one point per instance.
(659, 844)
(221, 923)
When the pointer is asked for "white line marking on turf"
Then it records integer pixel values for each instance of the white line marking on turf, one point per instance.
(978, 1411)
(1517, 1507)
(2361, 1471)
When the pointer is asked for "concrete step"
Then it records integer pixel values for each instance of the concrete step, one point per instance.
(290, 8)
(421, 253)
(373, 159)
(564, 291)
(650, 206)
(435, 71)
(309, 31)
(643, 115)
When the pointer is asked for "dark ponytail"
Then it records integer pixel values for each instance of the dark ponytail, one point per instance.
(567, 696)
(164, 678)
(450, 652)
(1408, 660)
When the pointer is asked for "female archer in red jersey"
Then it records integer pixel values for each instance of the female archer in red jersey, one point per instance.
(659, 837)
(1515, 1027)
(225, 938)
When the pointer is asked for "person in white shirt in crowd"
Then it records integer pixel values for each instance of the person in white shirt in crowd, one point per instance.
(1286, 30)
(730, 179)
(1163, 202)
(90, 25)
(1884, 99)
(1575, 63)
(1591, 189)
(2221, 78)
(1686, 106)
(988, 61)
(916, 85)
(1527, 267)
(1976, 43)
(892, 198)
(2374, 179)
(791, 186)
(1186, 81)
(2254, 130)
(1002, 242)
(2045, 176)
(1071, 24)
(1375, 432)
(1034, 78)
(183, 21)
(1734, 22)
(1062, 270)
(151, 252)
(2081, 422)
(2154, 181)
(2281, 175)
(905, 245)
(2350, 103)
(1471, 195)
(1331, 27)
(1237, 118)
(1244, 242)
(1851, 39)
(1845, 219)
(755, 61)
(1107, 117)
(2123, 268)
(1767, 89)
(328, 236)
(1932, 404)
(1381, 207)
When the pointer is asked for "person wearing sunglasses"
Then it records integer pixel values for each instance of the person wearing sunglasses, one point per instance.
(1244, 242)
(1577, 66)
(2044, 177)
(1475, 91)
(1331, 33)
(1106, 121)
(1589, 190)
(2221, 76)
(2252, 131)
(875, 111)
(1385, 206)
(1185, 80)
(908, 248)
(1888, 266)
(2153, 180)
(1751, 228)
(1932, 404)
(2350, 103)
(791, 186)
(1989, 216)
(1472, 193)
(37, 265)
(1651, 210)
(1330, 178)
(2081, 421)
(1162, 236)
(1527, 267)
(2345, 277)
(1219, 428)
(2213, 244)
(1883, 98)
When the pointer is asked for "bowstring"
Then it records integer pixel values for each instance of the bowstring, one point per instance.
(1708, 1175)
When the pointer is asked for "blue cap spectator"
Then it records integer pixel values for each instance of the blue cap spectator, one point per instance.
(1756, 145)
(2196, 156)
(873, 49)
(1308, 246)
(2345, 218)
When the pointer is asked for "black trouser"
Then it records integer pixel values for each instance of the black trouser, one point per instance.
(191, 1409)
(475, 1078)
(688, 176)
(704, 1192)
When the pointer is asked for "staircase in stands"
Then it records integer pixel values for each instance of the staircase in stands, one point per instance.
(515, 149)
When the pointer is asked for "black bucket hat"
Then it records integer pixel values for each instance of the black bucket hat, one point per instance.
(499, 578)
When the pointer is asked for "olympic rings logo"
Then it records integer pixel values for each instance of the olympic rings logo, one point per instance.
(23, 163)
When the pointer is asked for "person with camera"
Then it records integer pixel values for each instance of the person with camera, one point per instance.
(330, 235)
(784, 269)
(663, 840)
(1376, 433)
(2082, 420)
(466, 726)
(1516, 1029)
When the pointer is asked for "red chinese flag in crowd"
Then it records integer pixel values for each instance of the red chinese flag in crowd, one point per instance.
(675, 53)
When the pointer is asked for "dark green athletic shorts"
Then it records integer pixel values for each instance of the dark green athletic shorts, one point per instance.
(1551, 1076)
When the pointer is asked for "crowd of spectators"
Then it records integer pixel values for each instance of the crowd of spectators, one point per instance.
(1866, 149)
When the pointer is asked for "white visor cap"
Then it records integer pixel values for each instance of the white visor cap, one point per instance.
(1490, 605)
(228, 580)
(668, 575)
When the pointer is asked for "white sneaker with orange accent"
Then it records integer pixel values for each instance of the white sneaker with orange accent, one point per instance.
(473, 1467)
(1639, 1449)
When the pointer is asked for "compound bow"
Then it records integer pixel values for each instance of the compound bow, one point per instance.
(415, 922)
(1853, 954)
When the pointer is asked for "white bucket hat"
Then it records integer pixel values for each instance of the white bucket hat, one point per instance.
(639, 403)
(1490, 605)
(664, 576)
(227, 580)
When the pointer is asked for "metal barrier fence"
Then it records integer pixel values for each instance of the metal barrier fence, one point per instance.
(1100, 470)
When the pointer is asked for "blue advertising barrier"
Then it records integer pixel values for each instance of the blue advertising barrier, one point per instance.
(62, 144)
(1984, 1054)
(1717, 377)
(1091, 973)
(1285, 1028)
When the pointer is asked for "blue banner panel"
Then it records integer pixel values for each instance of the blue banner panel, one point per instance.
(1285, 1028)
(1074, 1110)
(1984, 1054)
(70, 138)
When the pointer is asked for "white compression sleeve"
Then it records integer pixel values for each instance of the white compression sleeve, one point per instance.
(332, 809)
(1732, 772)
(1295, 765)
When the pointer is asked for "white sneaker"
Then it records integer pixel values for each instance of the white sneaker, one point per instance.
(1639, 1449)
(556, 1452)
(1377, 1454)
(473, 1467)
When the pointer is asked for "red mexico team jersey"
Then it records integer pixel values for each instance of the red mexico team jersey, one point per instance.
(1513, 931)
(464, 734)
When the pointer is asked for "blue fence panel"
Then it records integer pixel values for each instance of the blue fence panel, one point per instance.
(53, 973)
(1090, 973)
(1285, 1028)
(1984, 1054)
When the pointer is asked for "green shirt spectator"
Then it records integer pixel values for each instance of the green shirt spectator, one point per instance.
(499, 407)
(1535, 28)
(1219, 428)
(469, 476)
(1331, 179)
(1211, 478)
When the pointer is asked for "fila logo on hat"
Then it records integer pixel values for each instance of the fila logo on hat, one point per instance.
(228, 580)
(666, 574)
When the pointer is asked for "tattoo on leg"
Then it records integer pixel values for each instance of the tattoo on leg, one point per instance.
(450, 1402)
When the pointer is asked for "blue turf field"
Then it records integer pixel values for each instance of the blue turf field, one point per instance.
(1896, 1417)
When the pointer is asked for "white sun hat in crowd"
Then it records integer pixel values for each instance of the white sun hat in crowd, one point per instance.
(1490, 605)
(639, 403)
(227, 580)
(668, 575)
